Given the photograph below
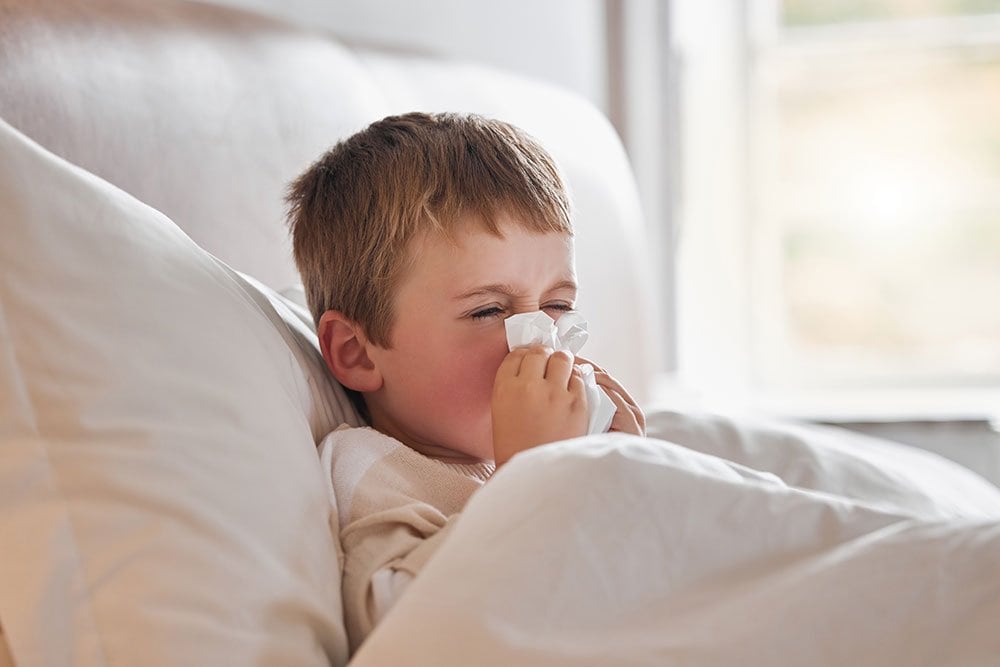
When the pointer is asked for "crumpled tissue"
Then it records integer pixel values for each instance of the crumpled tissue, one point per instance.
(569, 332)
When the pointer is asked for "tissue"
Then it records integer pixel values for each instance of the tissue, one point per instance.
(569, 332)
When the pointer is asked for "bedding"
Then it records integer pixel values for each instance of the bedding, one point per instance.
(160, 496)
(833, 460)
(617, 550)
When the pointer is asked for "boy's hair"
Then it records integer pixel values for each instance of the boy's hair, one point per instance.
(354, 213)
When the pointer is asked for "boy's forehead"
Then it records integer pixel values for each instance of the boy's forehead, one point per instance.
(566, 284)
(477, 260)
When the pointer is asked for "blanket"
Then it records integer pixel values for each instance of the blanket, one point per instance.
(617, 550)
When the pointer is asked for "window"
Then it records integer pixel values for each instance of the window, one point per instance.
(850, 247)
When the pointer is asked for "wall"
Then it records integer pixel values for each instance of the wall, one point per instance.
(560, 41)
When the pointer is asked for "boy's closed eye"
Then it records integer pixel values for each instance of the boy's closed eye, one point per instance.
(490, 312)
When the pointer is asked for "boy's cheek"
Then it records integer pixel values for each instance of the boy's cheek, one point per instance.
(482, 349)
(475, 370)
(462, 370)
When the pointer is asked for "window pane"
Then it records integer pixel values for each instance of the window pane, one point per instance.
(820, 12)
(888, 213)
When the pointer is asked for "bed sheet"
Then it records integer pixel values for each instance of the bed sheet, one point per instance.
(617, 550)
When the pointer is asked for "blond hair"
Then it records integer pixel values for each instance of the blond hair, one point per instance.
(354, 213)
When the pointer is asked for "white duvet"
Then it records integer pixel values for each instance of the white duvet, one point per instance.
(616, 550)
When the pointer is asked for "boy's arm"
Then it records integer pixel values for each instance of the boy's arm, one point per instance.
(383, 552)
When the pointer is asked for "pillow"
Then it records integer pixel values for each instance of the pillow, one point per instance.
(326, 402)
(161, 499)
(884, 474)
(296, 294)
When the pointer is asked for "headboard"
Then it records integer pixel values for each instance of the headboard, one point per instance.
(206, 113)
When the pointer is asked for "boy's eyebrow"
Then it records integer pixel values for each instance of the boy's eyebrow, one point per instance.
(508, 290)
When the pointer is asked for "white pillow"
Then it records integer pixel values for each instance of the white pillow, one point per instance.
(326, 403)
(161, 500)
(881, 473)
(296, 294)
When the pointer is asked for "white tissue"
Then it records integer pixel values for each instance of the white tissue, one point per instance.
(568, 333)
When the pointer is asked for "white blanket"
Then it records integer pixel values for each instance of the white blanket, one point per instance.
(616, 550)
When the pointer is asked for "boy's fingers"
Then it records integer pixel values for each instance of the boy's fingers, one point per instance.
(608, 382)
(559, 368)
(511, 364)
(534, 361)
(631, 408)
(625, 419)
(582, 360)
(577, 387)
(640, 417)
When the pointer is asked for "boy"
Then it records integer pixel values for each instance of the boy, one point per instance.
(415, 239)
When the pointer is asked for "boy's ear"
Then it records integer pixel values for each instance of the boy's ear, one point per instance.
(345, 350)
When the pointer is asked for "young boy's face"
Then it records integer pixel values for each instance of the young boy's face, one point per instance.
(448, 336)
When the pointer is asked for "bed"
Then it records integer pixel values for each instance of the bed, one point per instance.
(161, 397)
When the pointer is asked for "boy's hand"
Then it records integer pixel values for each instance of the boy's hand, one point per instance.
(628, 417)
(538, 397)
